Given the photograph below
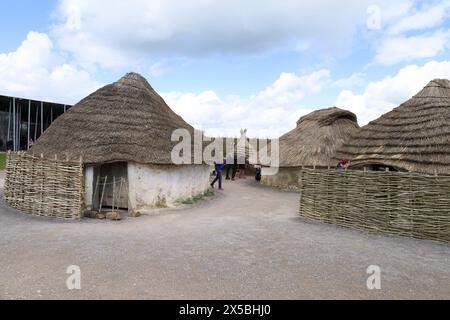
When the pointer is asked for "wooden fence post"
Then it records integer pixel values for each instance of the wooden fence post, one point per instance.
(103, 194)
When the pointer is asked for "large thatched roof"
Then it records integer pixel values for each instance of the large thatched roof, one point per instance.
(317, 136)
(413, 137)
(123, 121)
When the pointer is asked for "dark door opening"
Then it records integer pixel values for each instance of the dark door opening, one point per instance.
(111, 189)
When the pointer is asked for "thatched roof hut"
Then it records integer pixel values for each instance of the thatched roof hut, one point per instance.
(413, 137)
(316, 138)
(123, 134)
(313, 143)
(123, 121)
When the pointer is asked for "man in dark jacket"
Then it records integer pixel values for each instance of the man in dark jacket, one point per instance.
(218, 167)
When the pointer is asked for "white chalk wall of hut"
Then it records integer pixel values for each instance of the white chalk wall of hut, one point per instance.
(160, 187)
(89, 186)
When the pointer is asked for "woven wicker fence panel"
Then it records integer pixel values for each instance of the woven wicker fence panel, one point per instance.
(42, 187)
(406, 204)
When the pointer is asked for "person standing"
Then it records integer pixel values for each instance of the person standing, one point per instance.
(242, 168)
(258, 172)
(10, 145)
(229, 165)
(343, 164)
(234, 167)
(218, 167)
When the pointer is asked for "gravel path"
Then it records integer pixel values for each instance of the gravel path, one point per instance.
(2, 179)
(247, 243)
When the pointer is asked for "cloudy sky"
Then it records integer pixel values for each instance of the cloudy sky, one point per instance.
(226, 65)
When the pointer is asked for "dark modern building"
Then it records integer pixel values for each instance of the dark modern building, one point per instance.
(22, 121)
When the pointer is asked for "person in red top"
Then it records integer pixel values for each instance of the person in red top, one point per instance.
(344, 163)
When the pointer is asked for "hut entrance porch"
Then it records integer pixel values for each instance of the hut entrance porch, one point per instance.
(111, 186)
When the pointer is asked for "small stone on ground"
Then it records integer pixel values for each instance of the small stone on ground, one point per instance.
(115, 216)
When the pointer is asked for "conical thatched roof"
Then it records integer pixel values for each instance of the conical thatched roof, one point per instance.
(123, 121)
(413, 137)
(317, 136)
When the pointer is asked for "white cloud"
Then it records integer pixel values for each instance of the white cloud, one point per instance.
(415, 31)
(35, 71)
(270, 113)
(117, 33)
(354, 80)
(382, 96)
(400, 49)
(392, 11)
(291, 87)
(160, 68)
(429, 16)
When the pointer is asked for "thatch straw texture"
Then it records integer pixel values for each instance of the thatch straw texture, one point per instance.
(413, 137)
(123, 121)
(315, 139)
(406, 204)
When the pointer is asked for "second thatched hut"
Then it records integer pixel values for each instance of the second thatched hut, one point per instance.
(413, 137)
(313, 143)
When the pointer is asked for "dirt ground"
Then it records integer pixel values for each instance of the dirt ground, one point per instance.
(246, 243)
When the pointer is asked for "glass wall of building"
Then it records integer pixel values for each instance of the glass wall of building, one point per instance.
(22, 121)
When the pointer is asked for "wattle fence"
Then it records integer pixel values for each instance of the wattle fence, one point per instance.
(406, 204)
(43, 187)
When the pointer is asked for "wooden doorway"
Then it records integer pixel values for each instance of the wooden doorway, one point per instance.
(112, 181)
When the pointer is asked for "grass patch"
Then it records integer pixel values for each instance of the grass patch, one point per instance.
(196, 199)
(209, 194)
(188, 202)
(2, 161)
